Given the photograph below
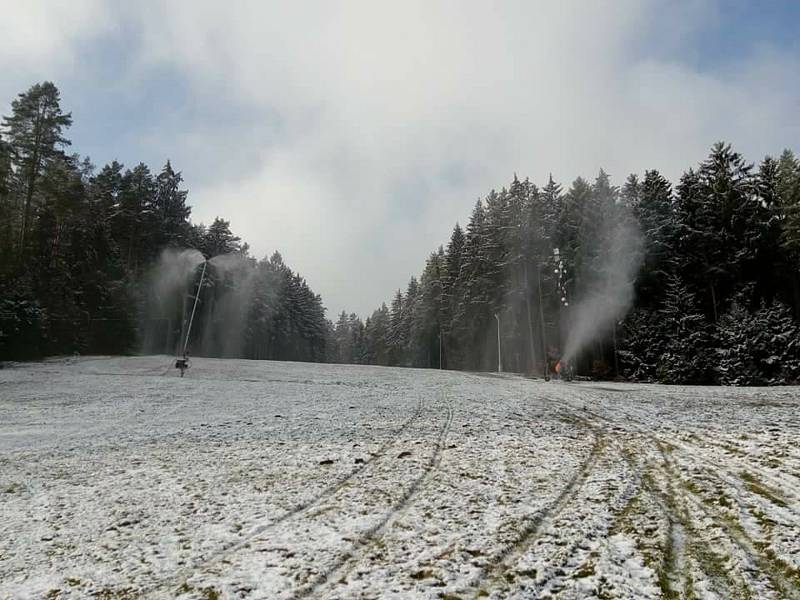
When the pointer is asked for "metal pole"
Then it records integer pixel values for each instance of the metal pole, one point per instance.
(499, 359)
(440, 349)
(194, 308)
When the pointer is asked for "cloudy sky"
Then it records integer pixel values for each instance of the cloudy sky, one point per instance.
(352, 135)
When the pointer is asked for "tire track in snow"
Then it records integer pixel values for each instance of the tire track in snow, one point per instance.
(699, 548)
(690, 451)
(678, 516)
(725, 474)
(737, 535)
(534, 525)
(181, 575)
(786, 481)
(327, 580)
(617, 493)
(681, 525)
(733, 532)
(672, 571)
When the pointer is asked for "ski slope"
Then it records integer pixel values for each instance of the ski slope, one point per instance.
(118, 479)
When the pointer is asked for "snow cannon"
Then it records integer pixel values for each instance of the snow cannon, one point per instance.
(182, 364)
(564, 370)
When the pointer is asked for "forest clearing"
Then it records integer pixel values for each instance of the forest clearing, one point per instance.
(256, 479)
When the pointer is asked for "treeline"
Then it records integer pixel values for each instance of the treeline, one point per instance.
(245, 309)
(76, 244)
(714, 276)
(715, 283)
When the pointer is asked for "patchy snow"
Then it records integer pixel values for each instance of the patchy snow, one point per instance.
(247, 479)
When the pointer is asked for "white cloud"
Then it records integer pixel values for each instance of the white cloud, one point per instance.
(381, 104)
(39, 39)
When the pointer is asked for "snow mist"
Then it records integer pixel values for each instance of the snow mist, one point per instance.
(611, 293)
(167, 285)
(227, 302)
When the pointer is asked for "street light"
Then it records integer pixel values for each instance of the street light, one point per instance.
(499, 359)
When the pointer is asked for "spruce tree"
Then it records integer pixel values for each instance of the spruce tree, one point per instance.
(170, 208)
(35, 133)
(759, 348)
(686, 341)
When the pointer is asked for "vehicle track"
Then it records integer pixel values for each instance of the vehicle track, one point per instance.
(676, 516)
(176, 578)
(672, 568)
(703, 550)
(326, 581)
(622, 496)
(534, 525)
(723, 473)
(734, 533)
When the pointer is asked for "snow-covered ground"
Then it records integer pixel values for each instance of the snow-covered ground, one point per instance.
(249, 479)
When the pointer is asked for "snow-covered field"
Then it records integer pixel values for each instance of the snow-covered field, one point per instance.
(249, 479)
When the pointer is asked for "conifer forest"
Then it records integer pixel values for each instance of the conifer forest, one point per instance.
(692, 281)
(405, 300)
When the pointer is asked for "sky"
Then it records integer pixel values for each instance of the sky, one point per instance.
(351, 136)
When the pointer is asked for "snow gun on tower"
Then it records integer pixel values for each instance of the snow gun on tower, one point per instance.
(183, 362)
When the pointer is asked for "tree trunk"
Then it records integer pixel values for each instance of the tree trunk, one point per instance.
(34, 169)
(545, 374)
(713, 301)
(530, 322)
(796, 293)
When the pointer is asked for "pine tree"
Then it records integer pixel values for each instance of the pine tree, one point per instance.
(134, 222)
(759, 348)
(343, 339)
(218, 239)
(787, 207)
(686, 343)
(357, 341)
(34, 133)
(426, 326)
(788, 193)
(642, 345)
(376, 332)
(717, 225)
(395, 337)
(7, 211)
(453, 258)
(653, 210)
(170, 209)
(472, 312)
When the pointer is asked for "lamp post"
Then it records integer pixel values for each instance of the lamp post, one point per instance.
(499, 357)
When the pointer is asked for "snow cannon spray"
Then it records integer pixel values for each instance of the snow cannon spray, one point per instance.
(183, 362)
(233, 277)
(166, 283)
(609, 283)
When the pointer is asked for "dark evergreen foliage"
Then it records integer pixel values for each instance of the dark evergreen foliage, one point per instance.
(758, 348)
(725, 228)
(716, 289)
(75, 244)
